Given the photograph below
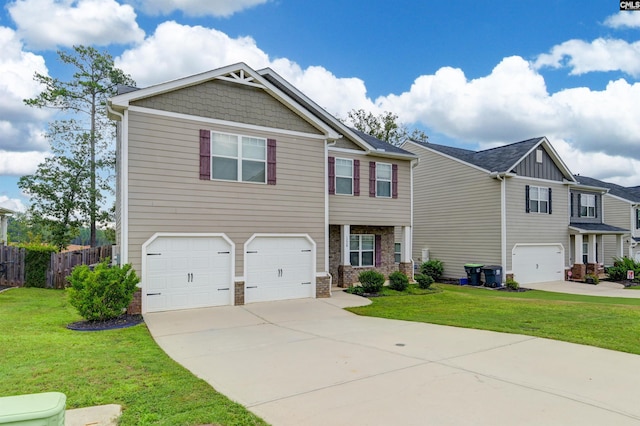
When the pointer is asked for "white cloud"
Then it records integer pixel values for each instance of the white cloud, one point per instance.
(20, 163)
(14, 204)
(599, 55)
(221, 8)
(20, 125)
(623, 19)
(46, 24)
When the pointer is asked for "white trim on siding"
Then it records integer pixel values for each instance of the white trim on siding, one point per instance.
(542, 180)
(346, 150)
(218, 122)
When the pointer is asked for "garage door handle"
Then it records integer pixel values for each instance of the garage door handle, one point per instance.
(154, 294)
(249, 252)
(307, 283)
(224, 252)
(154, 254)
(253, 286)
(306, 250)
(221, 289)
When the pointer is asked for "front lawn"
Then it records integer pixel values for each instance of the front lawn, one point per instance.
(606, 322)
(123, 366)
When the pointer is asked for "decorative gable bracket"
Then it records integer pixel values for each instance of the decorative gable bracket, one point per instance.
(240, 76)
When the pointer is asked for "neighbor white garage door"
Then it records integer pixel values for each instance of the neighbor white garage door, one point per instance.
(187, 272)
(538, 263)
(278, 268)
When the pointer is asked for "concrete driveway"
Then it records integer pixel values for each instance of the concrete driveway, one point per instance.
(604, 288)
(308, 362)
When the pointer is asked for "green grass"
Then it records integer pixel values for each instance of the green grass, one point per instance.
(125, 366)
(606, 322)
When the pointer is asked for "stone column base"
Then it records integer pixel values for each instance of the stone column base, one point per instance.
(323, 287)
(407, 269)
(135, 307)
(578, 271)
(238, 293)
(345, 276)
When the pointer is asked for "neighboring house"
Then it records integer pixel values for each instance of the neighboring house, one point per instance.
(506, 206)
(233, 187)
(621, 207)
(4, 220)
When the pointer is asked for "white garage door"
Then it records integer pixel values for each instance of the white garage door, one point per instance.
(279, 268)
(534, 263)
(187, 272)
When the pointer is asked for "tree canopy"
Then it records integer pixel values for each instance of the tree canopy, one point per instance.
(384, 126)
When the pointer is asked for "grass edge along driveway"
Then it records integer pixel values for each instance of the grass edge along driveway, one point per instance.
(605, 322)
(125, 366)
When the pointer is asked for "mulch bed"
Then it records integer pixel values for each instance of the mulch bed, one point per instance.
(122, 321)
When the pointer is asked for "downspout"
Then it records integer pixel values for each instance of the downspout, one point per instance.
(326, 211)
(414, 164)
(503, 220)
(124, 186)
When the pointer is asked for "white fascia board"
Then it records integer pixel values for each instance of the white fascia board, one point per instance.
(375, 153)
(554, 156)
(540, 180)
(598, 189)
(473, 166)
(218, 122)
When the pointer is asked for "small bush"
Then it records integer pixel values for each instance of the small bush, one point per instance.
(372, 281)
(103, 293)
(618, 272)
(592, 278)
(357, 290)
(434, 268)
(398, 281)
(512, 284)
(36, 262)
(424, 281)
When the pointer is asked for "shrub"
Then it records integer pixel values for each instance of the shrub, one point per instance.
(398, 281)
(372, 281)
(434, 268)
(36, 262)
(592, 277)
(512, 284)
(424, 281)
(103, 293)
(357, 290)
(618, 272)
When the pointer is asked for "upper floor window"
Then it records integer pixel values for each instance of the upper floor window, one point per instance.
(344, 176)
(383, 180)
(538, 199)
(587, 205)
(238, 158)
(637, 218)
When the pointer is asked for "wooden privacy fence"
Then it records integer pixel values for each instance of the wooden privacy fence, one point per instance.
(62, 263)
(12, 266)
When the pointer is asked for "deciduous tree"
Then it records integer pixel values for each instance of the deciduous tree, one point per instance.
(384, 126)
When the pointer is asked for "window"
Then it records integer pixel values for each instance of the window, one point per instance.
(587, 205)
(538, 156)
(344, 176)
(362, 250)
(637, 218)
(238, 158)
(398, 252)
(538, 199)
(585, 253)
(383, 180)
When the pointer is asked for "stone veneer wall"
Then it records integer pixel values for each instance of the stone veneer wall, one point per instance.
(238, 293)
(323, 287)
(135, 307)
(345, 276)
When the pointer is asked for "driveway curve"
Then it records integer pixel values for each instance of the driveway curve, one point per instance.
(309, 362)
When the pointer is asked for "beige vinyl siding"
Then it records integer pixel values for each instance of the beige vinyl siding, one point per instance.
(373, 211)
(616, 213)
(536, 228)
(232, 102)
(166, 194)
(345, 143)
(456, 213)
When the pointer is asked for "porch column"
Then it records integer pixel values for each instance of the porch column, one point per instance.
(578, 249)
(619, 246)
(4, 220)
(406, 264)
(591, 253)
(345, 233)
(579, 269)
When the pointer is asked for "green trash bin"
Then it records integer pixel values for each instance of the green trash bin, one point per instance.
(473, 272)
(40, 409)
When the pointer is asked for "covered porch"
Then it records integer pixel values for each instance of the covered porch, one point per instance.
(587, 248)
(4, 220)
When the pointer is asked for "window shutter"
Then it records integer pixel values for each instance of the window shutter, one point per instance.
(378, 250)
(595, 204)
(394, 180)
(332, 175)
(579, 206)
(550, 198)
(356, 177)
(271, 161)
(526, 199)
(572, 213)
(372, 178)
(205, 154)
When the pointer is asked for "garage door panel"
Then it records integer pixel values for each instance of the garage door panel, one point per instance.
(538, 263)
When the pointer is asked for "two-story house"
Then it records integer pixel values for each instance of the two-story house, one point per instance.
(233, 187)
(506, 206)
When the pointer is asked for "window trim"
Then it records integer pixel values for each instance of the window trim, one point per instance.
(360, 251)
(239, 158)
(336, 176)
(390, 181)
(583, 198)
(537, 199)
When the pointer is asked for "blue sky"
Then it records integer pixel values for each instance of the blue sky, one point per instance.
(470, 74)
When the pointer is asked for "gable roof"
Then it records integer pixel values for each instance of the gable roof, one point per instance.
(501, 159)
(629, 194)
(239, 73)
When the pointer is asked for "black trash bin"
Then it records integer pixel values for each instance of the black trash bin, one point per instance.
(473, 272)
(492, 275)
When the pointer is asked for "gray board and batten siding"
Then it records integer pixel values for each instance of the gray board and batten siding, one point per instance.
(547, 169)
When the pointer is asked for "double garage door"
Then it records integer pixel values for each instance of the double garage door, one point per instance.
(183, 272)
(534, 263)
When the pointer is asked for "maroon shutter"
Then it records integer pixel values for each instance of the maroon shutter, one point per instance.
(205, 154)
(356, 177)
(372, 178)
(394, 180)
(378, 249)
(332, 175)
(271, 161)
